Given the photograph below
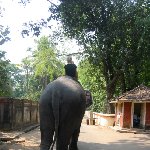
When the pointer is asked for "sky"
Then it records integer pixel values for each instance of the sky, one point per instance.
(14, 16)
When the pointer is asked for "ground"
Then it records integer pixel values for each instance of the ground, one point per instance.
(91, 138)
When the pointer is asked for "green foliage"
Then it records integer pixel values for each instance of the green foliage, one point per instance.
(46, 54)
(92, 79)
(39, 69)
(5, 81)
(17, 80)
(115, 35)
(28, 79)
(46, 64)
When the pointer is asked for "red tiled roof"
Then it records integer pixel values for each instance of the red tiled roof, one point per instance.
(140, 93)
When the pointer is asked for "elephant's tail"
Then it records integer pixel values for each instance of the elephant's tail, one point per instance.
(55, 106)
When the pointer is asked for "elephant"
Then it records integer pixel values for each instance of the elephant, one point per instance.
(61, 108)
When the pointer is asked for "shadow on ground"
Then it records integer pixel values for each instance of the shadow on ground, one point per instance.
(137, 143)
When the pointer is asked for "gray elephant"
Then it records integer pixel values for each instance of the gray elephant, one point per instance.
(62, 106)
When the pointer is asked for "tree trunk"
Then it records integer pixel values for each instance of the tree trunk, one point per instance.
(110, 90)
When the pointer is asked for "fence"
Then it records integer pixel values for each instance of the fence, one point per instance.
(17, 113)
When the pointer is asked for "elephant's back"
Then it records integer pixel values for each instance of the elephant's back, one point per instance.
(67, 83)
(65, 88)
(68, 88)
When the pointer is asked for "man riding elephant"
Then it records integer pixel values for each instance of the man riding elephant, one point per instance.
(62, 107)
(71, 69)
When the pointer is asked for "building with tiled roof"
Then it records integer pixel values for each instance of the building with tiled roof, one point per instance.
(132, 109)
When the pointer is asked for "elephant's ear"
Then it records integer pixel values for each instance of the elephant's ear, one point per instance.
(89, 100)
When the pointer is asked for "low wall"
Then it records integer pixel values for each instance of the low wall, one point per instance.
(101, 119)
(104, 119)
(17, 113)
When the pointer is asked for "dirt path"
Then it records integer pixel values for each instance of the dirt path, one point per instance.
(91, 138)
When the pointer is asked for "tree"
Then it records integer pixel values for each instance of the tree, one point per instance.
(27, 66)
(17, 80)
(5, 81)
(46, 64)
(114, 35)
(31, 86)
(93, 80)
(28, 79)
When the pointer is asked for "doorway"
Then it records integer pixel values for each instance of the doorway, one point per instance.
(137, 115)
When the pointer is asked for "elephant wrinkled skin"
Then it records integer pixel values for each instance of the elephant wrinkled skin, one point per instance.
(62, 107)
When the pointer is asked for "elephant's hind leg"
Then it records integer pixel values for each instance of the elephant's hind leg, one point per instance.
(46, 127)
(65, 132)
(74, 140)
(46, 139)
